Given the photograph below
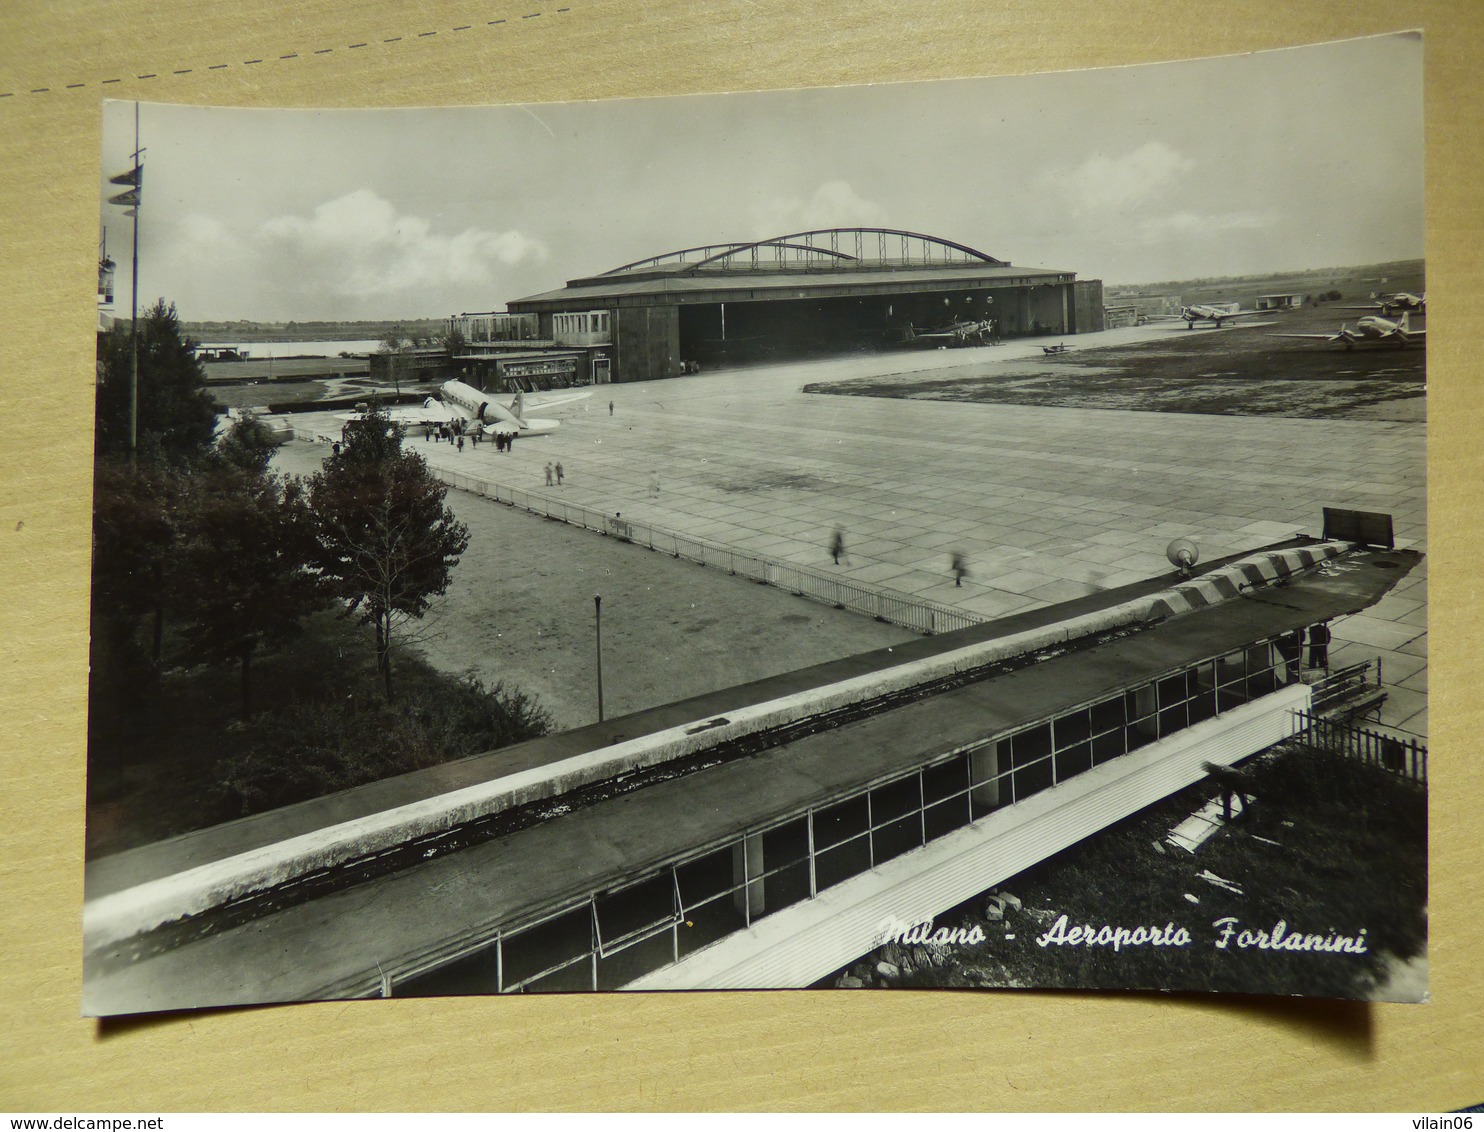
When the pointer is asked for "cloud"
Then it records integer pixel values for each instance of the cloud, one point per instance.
(833, 204)
(359, 246)
(1178, 225)
(1103, 185)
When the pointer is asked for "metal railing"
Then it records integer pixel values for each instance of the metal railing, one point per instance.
(882, 604)
(1406, 758)
(1351, 689)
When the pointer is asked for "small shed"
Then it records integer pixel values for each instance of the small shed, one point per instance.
(1286, 301)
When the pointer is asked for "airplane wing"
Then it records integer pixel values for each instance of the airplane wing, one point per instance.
(1317, 337)
(431, 411)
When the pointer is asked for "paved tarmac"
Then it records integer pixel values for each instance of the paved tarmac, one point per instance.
(1045, 504)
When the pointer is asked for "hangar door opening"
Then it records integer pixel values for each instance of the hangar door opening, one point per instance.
(714, 334)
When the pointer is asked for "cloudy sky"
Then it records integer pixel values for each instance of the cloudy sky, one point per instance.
(1308, 157)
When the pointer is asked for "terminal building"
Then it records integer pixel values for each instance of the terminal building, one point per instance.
(804, 294)
(758, 836)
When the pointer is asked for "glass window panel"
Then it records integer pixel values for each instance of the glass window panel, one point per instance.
(1107, 716)
(839, 822)
(1231, 681)
(993, 788)
(1260, 678)
(1032, 779)
(1108, 746)
(531, 951)
(1172, 691)
(1029, 745)
(945, 779)
(1143, 716)
(635, 908)
(845, 861)
(639, 958)
(784, 845)
(473, 974)
(896, 838)
(895, 799)
(705, 877)
(709, 922)
(1074, 727)
(788, 885)
(1073, 761)
(945, 817)
(1203, 693)
(1172, 719)
(575, 976)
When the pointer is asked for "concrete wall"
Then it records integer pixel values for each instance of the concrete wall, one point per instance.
(647, 343)
(1087, 303)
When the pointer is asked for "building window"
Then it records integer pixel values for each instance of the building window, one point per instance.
(617, 936)
(842, 841)
(557, 952)
(896, 818)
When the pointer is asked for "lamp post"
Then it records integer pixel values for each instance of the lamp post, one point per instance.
(598, 620)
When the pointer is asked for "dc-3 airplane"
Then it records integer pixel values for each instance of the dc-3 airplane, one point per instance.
(1398, 301)
(964, 333)
(461, 402)
(1201, 312)
(1370, 328)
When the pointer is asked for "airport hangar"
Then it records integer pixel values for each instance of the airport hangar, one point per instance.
(804, 294)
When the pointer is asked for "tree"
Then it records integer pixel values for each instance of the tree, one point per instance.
(396, 348)
(247, 548)
(388, 544)
(176, 416)
(248, 445)
(454, 344)
(136, 526)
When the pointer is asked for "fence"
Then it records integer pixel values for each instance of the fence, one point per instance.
(1406, 758)
(884, 605)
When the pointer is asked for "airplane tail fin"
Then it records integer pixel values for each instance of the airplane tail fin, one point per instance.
(518, 406)
(1403, 325)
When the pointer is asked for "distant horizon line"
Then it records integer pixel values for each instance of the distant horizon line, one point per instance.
(1194, 279)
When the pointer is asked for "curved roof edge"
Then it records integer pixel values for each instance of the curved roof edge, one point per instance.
(820, 249)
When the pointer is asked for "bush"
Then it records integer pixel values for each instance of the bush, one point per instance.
(314, 748)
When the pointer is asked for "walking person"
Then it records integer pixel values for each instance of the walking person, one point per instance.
(654, 485)
(837, 545)
(960, 567)
(610, 408)
(559, 473)
(461, 442)
(1319, 646)
(548, 473)
(1291, 649)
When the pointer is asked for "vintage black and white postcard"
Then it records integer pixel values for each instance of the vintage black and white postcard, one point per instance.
(956, 534)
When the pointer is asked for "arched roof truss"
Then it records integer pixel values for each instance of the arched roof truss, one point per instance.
(821, 249)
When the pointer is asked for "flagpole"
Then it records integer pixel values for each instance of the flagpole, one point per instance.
(134, 309)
